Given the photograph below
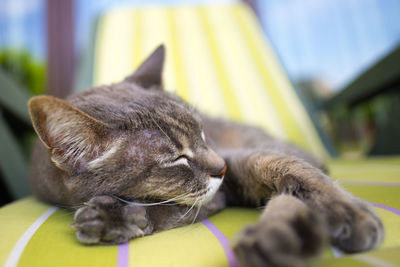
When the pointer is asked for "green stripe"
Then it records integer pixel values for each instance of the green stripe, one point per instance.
(136, 15)
(384, 195)
(246, 84)
(99, 49)
(372, 260)
(15, 219)
(371, 169)
(290, 125)
(54, 244)
(342, 262)
(387, 160)
(389, 255)
(365, 175)
(391, 222)
(282, 92)
(232, 220)
(182, 88)
(200, 74)
(231, 101)
(192, 245)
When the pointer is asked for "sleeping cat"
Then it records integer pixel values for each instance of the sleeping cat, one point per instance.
(118, 152)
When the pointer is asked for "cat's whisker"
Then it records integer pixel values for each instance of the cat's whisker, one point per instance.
(204, 196)
(149, 204)
(187, 212)
(151, 117)
(190, 209)
(66, 214)
(197, 214)
(170, 204)
(67, 207)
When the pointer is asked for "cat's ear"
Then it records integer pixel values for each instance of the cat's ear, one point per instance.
(149, 73)
(73, 137)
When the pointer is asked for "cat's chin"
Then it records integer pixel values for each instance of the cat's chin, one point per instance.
(212, 188)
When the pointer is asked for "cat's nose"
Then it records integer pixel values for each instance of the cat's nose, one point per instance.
(221, 172)
(214, 164)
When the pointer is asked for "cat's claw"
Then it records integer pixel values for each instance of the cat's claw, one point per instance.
(281, 243)
(105, 220)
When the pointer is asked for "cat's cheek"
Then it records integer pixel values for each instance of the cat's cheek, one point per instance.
(80, 167)
(136, 154)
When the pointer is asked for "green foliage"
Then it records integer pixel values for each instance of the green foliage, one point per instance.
(25, 69)
(369, 128)
(20, 77)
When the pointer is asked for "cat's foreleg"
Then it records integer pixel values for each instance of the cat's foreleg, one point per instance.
(107, 220)
(351, 223)
(287, 234)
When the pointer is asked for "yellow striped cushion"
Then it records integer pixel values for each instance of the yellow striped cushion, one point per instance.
(53, 243)
(217, 59)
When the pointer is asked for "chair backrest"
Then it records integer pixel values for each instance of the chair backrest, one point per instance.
(218, 59)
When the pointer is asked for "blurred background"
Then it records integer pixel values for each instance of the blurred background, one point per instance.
(343, 57)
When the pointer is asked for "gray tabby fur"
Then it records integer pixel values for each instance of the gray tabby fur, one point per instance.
(114, 150)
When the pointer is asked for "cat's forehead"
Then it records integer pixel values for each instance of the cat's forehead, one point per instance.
(127, 106)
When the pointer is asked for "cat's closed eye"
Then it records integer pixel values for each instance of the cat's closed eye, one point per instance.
(183, 159)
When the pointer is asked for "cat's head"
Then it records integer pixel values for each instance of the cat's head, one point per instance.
(130, 139)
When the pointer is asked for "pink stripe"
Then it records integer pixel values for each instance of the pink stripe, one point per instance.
(396, 211)
(224, 241)
(123, 255)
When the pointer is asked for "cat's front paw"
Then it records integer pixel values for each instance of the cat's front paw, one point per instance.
(354, 226)
(105, 220)
(281, 243)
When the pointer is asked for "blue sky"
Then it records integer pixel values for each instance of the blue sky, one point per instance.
(331, 40)
(22, 25)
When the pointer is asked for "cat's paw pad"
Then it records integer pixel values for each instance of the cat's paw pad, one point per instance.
(281, 243)
(89, 225)
(136, 218)
(355, 226)
(104, 220)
